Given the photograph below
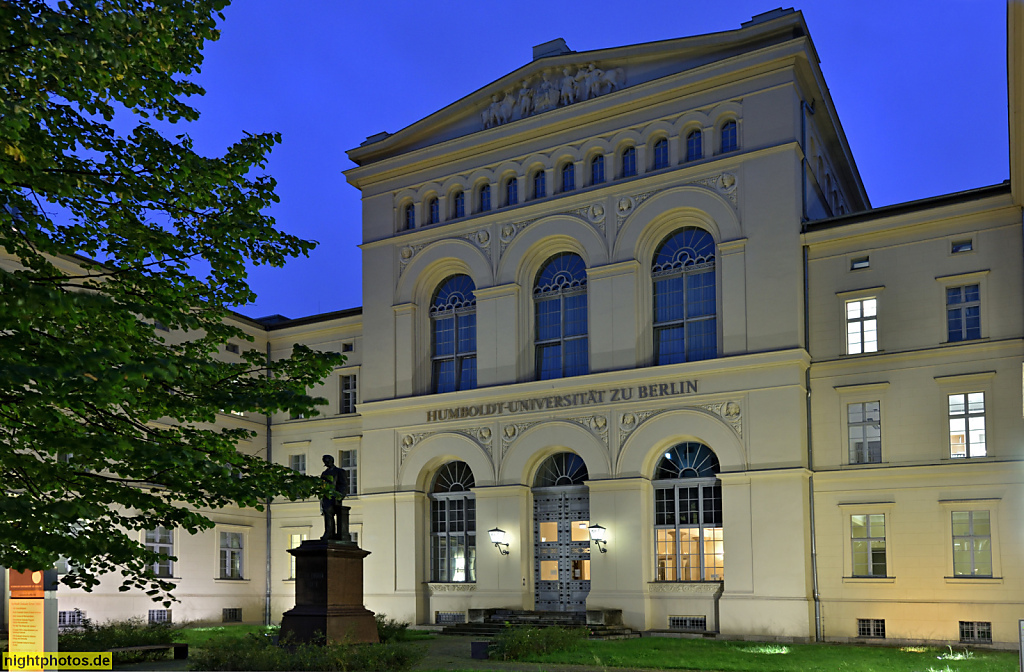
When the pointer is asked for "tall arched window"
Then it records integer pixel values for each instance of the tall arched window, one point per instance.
(453, 327)
(512, 191)
(661, 154)
(484, 199)
(453, 525)
(540, 184)
(568, 177)
(560, 300)
(685, 310)
(458, 204)
(433, 211)
(597, 170)
(688, 515)
(729, 141)
(694, 145)
(409, 222)
(629, 162)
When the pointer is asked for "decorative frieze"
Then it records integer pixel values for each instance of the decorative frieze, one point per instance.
(685, 587)
(481, 436)
(436, 588)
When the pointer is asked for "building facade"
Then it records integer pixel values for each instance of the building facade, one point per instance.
(642, 291)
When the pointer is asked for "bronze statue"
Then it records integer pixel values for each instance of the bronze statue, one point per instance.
(332, 508)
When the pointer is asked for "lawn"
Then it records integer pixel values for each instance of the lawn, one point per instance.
(701, 654)
(199, 637)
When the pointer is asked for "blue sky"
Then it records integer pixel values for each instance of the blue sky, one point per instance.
(920, 88)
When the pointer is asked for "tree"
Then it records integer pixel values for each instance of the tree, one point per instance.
(107, 421)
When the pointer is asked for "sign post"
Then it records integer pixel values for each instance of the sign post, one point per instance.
(33, 614)
(1020, 633)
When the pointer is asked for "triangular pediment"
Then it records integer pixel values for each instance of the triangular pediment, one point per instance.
(561, 80)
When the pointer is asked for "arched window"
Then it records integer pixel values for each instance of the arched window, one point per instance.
(458, 204)
(433, 211)
(410, 217)
(568, 177)
(453, 525)
(484, 199)
(560, 300)
(729, 142)
(629, 162)
(512, 191)
(597, 170)
(540, 185)
(694, 145)
(688, 515)
(453, 327)
(661, 154)
(685, 310)
(561, 469)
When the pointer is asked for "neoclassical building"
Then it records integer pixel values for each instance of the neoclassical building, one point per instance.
(640, 293)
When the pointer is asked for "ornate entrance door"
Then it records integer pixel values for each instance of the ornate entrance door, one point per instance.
(561, 538)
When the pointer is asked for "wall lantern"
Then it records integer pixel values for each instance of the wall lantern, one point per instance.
(599, 536)
(499, 538)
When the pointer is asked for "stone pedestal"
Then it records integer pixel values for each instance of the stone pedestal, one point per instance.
(329, 595)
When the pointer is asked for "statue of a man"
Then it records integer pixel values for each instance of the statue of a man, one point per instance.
(335, 522)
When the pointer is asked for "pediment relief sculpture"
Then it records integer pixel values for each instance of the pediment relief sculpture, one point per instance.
(553, 89)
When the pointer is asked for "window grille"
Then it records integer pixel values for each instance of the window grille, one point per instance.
(871, 628)
(232, 615)
(976, 632)
(688, 623)
(159, 616)
(70, 619)
(449, 617)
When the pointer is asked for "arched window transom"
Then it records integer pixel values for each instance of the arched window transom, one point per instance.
(685, 298)
(453, 330)
(560, 300)
(453, 525)
(561, 469)
(689, 545)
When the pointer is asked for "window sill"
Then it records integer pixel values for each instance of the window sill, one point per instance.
(984, 580)
(848, 355)
(965, 341)
(223, 580)
(869, 579)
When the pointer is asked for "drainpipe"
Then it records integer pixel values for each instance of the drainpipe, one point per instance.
(266, 603)
(810, 457)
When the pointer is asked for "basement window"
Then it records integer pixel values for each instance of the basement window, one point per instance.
(688, 623)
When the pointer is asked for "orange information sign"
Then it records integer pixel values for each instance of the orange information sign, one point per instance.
(26, 585)
(26, 626)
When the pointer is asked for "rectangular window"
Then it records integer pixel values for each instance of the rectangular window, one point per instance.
(231, 615)
(349, 466)
(972, 543)
(872, 628)
(861, 326)
(962, 246)
(860, 263)
(232, 348)
(864, 424)
(70, 619)
(976, 631)
(297, 463)
(294, 541)
(161, 540)
(963, 313)
(347, 347)
(967, 425)
(688, 623)
(868, 542)
(159, 616)
(453, 538)
(349, 390)
(689, 541)
(449, 617)
(231, 547)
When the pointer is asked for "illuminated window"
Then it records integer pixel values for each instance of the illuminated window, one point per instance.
(294, 541)
(349, 464)
(560, 303)
(685, 301)
(972, 543)
(868, 544)
(453, 525)
(231, 547)
(453, 328)
(967, 425)
(689, 545)
(861, 326)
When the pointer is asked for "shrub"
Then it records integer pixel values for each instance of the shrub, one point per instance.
(255, 652)
(517, 642)
(390, 630)
(116, 634)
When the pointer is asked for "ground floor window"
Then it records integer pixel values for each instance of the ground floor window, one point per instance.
(689, 542)
(976, 631)
(453, 525)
